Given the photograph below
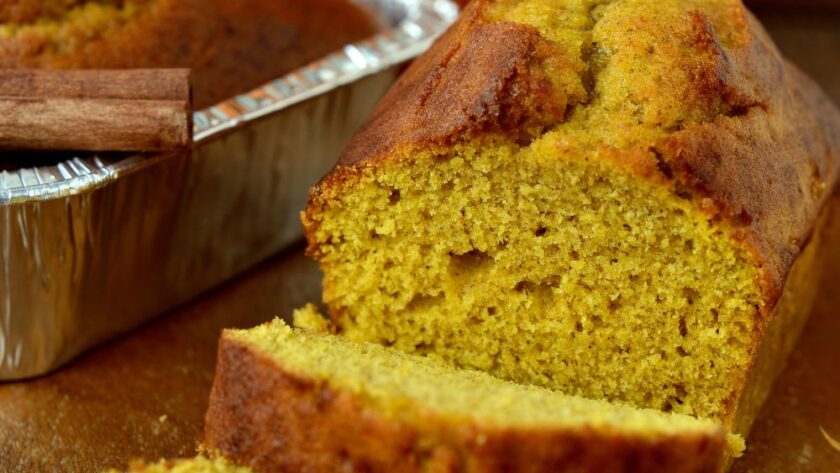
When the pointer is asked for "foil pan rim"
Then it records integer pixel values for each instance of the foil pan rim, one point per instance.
(424, 20)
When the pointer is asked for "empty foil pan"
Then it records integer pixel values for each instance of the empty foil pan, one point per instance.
(94, 246)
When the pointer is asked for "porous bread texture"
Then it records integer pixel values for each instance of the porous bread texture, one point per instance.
(415, 388)
(575, 277)
(62, 26)
(292, 400)
(599, 197)
(22, 11)
(198, 464)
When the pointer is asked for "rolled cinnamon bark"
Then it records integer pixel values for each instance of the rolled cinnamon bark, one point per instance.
(95, 110)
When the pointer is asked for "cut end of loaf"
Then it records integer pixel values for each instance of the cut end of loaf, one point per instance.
(421, 391)
(289, 400)
(544, 268)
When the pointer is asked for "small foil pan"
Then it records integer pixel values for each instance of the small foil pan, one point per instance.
(94, 246)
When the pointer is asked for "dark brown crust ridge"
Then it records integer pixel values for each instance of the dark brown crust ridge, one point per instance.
(767, 168)
(478, 78)
(262, 416)
(763, 161)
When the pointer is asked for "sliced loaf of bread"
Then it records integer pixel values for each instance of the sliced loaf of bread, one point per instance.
(616, 199)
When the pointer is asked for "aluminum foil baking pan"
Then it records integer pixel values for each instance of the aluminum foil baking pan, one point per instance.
(93, 246)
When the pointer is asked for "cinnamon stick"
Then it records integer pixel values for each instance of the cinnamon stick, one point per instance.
(95, 110)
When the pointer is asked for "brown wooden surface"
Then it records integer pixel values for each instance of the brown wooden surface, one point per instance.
(144, 395)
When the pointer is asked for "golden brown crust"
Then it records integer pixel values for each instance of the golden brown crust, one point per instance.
(766, 169)
(761, 157)
(232, 46)
(266, 418)
(479, 78)
(789, 317)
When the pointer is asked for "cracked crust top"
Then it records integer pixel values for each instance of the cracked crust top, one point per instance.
(695, 97)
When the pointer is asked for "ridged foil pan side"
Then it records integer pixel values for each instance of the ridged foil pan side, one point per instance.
(94, 246)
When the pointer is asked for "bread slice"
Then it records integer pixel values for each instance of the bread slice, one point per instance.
(615, 199)
(290, 400)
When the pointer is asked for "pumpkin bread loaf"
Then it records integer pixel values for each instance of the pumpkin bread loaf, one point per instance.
(290, 400)
(231, 45)
(618, 199)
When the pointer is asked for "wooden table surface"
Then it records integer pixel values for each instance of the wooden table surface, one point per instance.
(144, 395)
